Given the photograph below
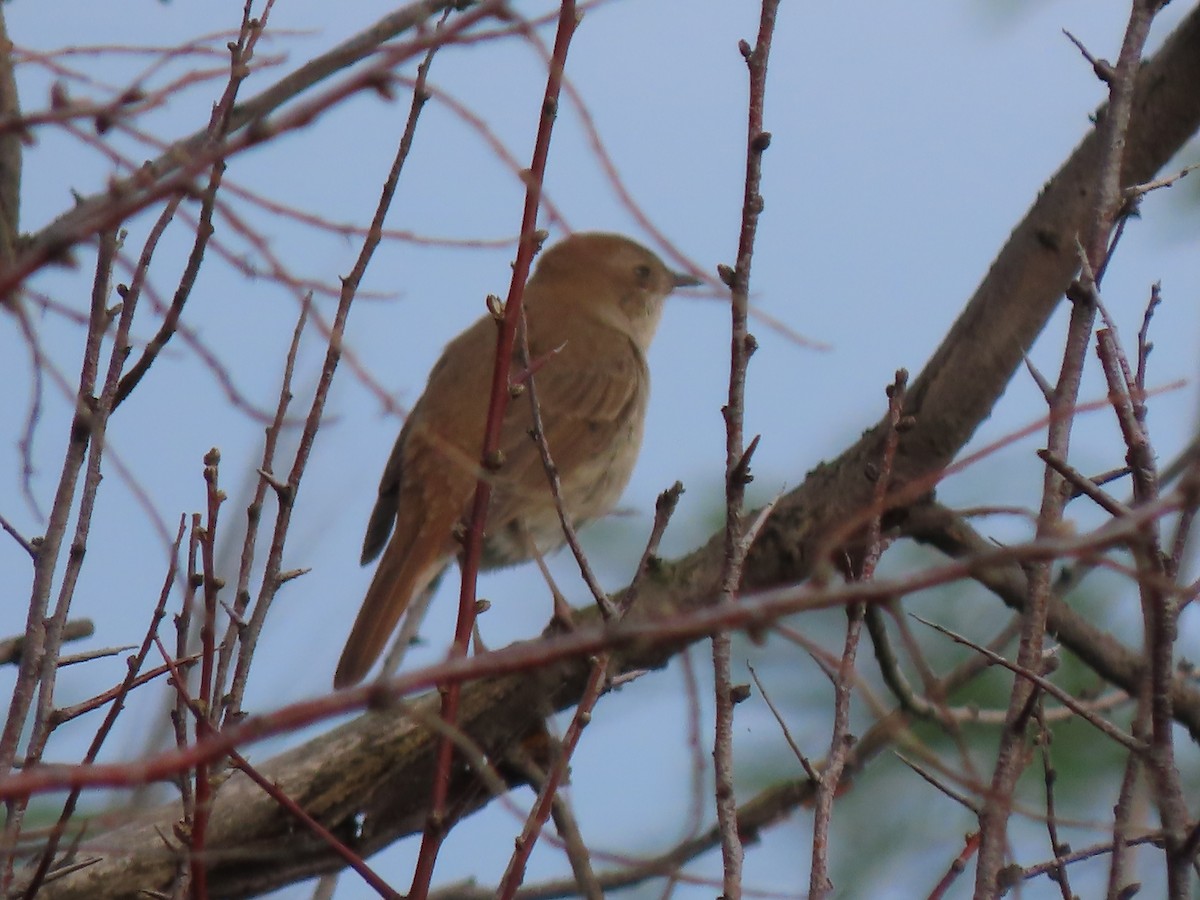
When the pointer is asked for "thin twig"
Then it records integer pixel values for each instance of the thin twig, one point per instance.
(737, 456)
(664, 508)
(1160, 610)
(1107, 204)
(200, 713)
(436, 824)
(24, 543)
(173, 170)
(248, 636)
(43, 633)
(1064, 697)
(74, 659)
(67, 713)
(787, 734)
(228, 700)
(514, 874)
(11, 649)
(1082, 486)
(863, 571)
(961, 799)
(131, 680)
(1155, 184)
(752, 612)
(241, 53)
(208, 652)
(607, 610)
(1049, 776)
(598, 680)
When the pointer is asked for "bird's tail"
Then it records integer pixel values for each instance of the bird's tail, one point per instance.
(406, 569)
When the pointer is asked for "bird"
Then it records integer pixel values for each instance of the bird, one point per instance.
(591, 309)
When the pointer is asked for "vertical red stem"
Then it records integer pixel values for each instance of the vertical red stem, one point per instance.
(435, 825)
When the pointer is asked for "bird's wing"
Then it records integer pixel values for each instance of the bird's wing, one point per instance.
(587, 412)
(449, 415)
(383, 515)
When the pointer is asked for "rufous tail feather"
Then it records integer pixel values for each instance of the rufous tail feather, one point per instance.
(405, 570)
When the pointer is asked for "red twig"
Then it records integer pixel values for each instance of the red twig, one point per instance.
(67, 713)
(352, 859)
(515, 873)
(242, 52)
(970, 847)
(841, 740)
(208, 659)
(436, 825)
(597, 681)
(756, 611)
(173, 172)
(201, 714)
(131, 681)
(335, 340)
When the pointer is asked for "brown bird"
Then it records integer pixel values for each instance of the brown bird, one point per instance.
(591, 309)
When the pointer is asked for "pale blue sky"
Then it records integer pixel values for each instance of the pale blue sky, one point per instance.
(908, 140)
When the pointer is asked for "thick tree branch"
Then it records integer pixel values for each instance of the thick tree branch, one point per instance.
(966, 375)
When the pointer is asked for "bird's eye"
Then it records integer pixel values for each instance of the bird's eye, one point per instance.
(642, 272)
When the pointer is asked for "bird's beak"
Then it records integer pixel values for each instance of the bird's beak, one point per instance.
(681, 279)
